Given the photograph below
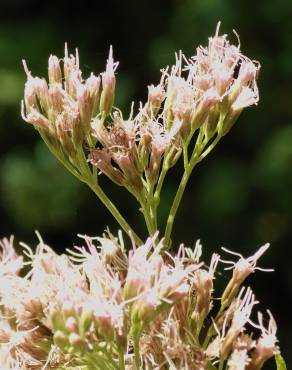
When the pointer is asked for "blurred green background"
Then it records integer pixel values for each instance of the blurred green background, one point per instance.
(239, 197)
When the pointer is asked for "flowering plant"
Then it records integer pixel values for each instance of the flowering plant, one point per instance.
(99, 306)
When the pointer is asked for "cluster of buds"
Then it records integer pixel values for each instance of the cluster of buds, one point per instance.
(202, 95)
(100, 307)
(207, 92)
(62, 108)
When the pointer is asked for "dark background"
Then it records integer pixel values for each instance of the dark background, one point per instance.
(239, 197)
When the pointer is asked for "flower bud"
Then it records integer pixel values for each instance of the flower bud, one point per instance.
(208, 100)
(203, 82)
(203, 287)
(71, 324)
(132, 176)
(105, 326)
(154, 164)
(134, 285)
(5, 332)
(229, 120)
(61, 340)
(266, 346)
(178, 293)
(63, 134)
(173, 85)
(57, 321)
(203, 284)
(156, 95)
(143, 309)
(56, 101)
(223, 79)
(36, 119)
(211, 124)
(248, 72)
(43, 93)
(54, 70)
(241, 270)
(30, 97)
(112, 254)
(76, 341)
(68, 308)
(101, 158)
(246, 97)
(240, 317)
(108, 85)
(72, 73)
(87, 98)
(92, 85)
(85, 321)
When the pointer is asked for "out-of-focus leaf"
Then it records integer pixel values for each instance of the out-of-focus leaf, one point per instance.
(280, 362)
(11, 87)
(211, 367)
(38, 192)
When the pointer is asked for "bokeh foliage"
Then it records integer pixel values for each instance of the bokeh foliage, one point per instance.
(240, 197)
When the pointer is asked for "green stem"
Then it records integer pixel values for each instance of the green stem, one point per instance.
(156, 197)
(137, 351)
(114, 211)
(185, 155)
(221, 365)
(152, 207)
(197, 156)
(148, 218)
(121, 359)
(177, 200)
(164, 170)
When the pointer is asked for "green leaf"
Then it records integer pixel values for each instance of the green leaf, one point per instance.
(211, 367)
(280, 362)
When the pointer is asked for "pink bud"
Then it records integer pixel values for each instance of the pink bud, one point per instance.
(5, 332)
(35, 118)
(54, 70)
(246, 97)
(75, 340)
(248, 72)
(143, 308)
(223, 79)
(156, 95)
(71, 324)
(87, 97)
(101, 158)
(37, 94)
(208, 100)
(108, 85)
(56, 100)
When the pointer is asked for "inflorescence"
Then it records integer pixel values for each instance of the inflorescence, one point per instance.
(195, 104)
(102, 308)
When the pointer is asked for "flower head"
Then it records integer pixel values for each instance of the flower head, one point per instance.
(266, 346)
(241, 270)
(108, 84)
(10, 262)
(63, 107)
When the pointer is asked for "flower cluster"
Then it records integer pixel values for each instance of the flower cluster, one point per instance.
(102, 308)
(201, 97)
